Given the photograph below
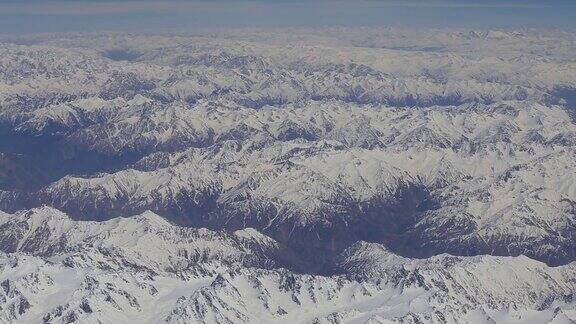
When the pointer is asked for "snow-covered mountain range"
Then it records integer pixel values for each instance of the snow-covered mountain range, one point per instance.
(327, 176)
(145, 269)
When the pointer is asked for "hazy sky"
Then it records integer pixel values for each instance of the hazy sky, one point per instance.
(25, 16)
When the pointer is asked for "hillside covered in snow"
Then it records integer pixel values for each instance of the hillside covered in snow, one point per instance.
(337, 175)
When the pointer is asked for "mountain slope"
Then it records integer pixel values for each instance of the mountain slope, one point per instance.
(123, 269)
(329, 175)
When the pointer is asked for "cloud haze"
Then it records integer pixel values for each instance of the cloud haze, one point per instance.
(148, 6)
(35, 15)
